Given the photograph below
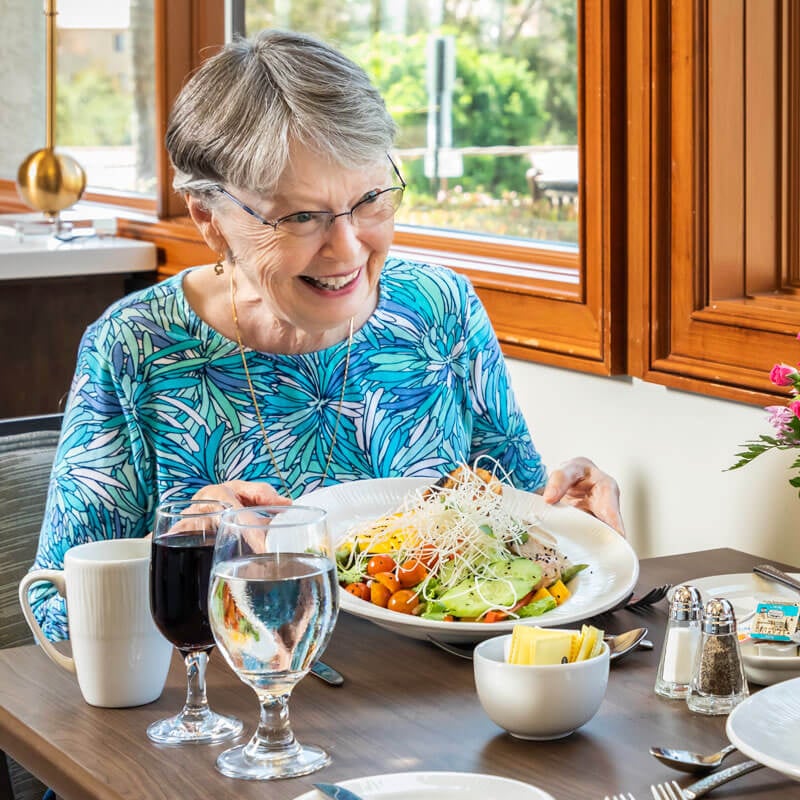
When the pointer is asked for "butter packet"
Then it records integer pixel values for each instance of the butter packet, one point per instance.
(776, 621)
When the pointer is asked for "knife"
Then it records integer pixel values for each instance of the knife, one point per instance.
(336, 792)
(705, 785)
(777, 575)
(327, 674)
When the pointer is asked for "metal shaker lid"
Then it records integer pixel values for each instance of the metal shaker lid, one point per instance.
(719, 617)
(686, 604)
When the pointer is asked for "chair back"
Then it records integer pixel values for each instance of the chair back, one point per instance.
(27, 450)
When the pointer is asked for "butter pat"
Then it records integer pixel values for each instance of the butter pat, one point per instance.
(539, 645)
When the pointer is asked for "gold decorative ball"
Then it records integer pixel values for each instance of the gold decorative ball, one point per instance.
(50, 182)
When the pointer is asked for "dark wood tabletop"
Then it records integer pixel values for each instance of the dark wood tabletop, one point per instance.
(405, 706)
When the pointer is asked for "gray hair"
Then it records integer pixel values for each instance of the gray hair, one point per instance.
(237, 117)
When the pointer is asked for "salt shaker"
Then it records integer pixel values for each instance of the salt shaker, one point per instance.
(718, 683)
(680, 643)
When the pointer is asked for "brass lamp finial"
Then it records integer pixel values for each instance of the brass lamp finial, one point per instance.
(48, 181)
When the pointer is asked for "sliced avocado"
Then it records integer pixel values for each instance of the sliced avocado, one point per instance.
(472, 597)
(537, 607)
(571, 571)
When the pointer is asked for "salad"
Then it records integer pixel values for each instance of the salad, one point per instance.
(453, 552)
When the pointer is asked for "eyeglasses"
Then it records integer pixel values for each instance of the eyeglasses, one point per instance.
(377, 206)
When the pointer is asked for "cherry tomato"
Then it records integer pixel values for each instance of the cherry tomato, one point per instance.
(388, 580)
(411, 572)
(379, 594)
(428, 555)
(360, 590)
(380, 564)
(403, 601)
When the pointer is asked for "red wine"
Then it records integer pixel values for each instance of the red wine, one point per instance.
(180, 571)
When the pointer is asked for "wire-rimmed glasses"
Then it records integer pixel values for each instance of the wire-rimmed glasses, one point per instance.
(375, 207)
(273, 604)
(180, 569)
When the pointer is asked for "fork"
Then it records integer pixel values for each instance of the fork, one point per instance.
(633, 603)
(628, 796)
(671, 790)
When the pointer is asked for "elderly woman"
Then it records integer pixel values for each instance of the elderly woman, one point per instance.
(306, 355)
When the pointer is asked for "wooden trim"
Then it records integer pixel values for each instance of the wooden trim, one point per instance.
(715, 300)
(187, 32)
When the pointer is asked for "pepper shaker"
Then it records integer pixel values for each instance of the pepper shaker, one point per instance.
(718, 683)
(680, 643)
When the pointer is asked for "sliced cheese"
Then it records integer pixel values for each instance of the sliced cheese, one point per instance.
(531, 645)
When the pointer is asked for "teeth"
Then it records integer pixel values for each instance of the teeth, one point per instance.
(338, 282)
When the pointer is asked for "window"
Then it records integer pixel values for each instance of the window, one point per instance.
(104, 91)
(487, 97)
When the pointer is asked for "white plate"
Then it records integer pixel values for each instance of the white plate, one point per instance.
(437, 786)
(766, 727)
(611, 575)
(744, 591)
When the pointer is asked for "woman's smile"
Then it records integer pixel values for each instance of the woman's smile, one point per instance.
(334, 283)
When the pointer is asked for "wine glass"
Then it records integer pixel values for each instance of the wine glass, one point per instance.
(180, 568)
(272, 605)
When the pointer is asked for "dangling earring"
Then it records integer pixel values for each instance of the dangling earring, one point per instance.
(219, 267)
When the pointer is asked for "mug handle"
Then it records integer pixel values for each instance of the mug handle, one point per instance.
(56, 577)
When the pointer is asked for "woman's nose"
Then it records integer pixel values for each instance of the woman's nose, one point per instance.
(342, 238)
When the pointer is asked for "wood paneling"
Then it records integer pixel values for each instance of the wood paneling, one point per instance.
(715, 300)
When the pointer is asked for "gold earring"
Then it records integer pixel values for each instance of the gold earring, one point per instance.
(219, 267)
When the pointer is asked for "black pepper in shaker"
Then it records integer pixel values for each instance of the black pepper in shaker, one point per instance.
(718, 683)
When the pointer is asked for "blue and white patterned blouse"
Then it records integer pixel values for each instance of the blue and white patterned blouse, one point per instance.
(160, 407)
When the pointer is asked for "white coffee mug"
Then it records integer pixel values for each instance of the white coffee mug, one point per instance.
(119, 656)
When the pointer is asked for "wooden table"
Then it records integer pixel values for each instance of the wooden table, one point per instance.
(405, 706)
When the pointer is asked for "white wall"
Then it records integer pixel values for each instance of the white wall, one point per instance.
(667, 449)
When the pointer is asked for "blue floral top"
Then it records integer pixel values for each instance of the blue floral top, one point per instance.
(160, 407)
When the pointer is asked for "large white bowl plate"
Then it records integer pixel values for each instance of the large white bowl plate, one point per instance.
(611, 575)
(437, 786)
(766, 727)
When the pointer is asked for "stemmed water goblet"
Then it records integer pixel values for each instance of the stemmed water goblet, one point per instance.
(272, 605)
(184, 533)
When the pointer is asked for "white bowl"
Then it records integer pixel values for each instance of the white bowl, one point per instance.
(766, 670)
(538, 701)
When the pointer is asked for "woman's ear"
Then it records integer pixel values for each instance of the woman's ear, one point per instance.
(204, 218)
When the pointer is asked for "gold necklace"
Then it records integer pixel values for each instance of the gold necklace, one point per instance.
(255, 403)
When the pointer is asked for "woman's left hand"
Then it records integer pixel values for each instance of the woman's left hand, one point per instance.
(580, 483)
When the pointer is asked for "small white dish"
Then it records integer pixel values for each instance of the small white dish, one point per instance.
(612, 573)
(765, 727)
(539, 702)
(767, 669)
(436, 786)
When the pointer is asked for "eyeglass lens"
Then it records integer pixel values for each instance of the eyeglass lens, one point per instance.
(368, 212)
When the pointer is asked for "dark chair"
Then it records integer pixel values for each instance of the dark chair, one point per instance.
(27, 449)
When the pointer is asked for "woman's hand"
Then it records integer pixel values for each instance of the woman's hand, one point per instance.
(239, 494)
(580, 483)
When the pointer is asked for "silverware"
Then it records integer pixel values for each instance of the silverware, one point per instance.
(628, 796)
(619, 644)
(327, 674)
(687, 761)
(336, 792)
(665, 791)
(777, 575)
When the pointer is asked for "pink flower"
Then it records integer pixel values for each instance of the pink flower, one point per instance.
(782, 374)
(780, 418)
(795, 407)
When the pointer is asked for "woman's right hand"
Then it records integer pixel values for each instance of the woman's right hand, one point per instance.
(239, 494)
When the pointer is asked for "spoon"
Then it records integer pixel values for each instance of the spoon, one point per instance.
(619, 645)
(687, 761)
